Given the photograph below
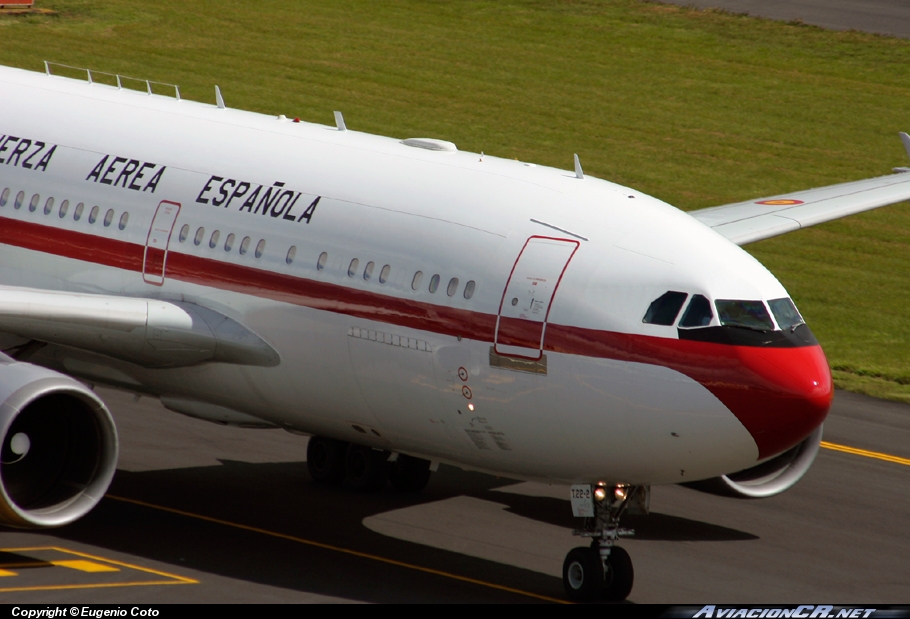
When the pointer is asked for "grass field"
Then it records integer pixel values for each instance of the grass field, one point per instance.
(695, 107)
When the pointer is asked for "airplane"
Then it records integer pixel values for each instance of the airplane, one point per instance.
(399, 301)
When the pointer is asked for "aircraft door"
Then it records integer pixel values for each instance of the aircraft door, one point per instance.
(155, 257)
(525, 305)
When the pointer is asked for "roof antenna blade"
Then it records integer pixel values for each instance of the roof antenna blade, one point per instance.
(218, 98)
(339, 121)
(578, 171)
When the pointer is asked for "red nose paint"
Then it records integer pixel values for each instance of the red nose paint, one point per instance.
(782, 396)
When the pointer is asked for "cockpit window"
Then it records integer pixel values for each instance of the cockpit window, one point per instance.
(698, 314)
(665, 308)
(785, 313)
(746, 314)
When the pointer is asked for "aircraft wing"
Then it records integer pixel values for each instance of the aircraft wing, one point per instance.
(754, 220)
(148, 332)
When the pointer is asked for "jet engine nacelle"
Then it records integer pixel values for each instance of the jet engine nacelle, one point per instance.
(58, 447)
(768, 478)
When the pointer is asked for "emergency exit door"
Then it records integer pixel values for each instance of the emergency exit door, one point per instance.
(154, 261)
(526, 302)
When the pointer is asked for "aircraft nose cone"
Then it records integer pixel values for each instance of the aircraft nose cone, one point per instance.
(788, 395)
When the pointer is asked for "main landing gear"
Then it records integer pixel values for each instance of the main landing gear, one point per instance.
(601, 570)
(331, 461)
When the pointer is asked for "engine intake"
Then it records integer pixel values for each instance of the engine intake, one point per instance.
(771, 477)
(58, 447)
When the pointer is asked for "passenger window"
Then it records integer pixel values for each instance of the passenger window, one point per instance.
(323, 258)
(34, 203)
(93, 215)
(213, 240)
(665, 308)
(184, 233)
(4, 197)
(123, 220)
(20, 198)
(415, 283)
(260, 248)
(785, 313)
(200, 234)
(384, 274)
(64, 207)
(48, 206)
(244, 245)
(434, 283)
(291, 253)
(469, 289)
(368, 271)
(352, 269)
(453, 287)
(746, 314)
(77, 214)
(698, 314)
(108, 217)
(229, 242)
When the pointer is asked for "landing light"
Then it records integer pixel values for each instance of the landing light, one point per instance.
(600, 493)
(620, 493)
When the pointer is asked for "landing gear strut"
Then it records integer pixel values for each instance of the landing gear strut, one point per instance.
(602, 570)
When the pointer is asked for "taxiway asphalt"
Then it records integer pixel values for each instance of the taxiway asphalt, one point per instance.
(203, 513)
(891, 17)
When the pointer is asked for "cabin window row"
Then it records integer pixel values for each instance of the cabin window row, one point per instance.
(369, 271)
(64, 208)
(214, 240)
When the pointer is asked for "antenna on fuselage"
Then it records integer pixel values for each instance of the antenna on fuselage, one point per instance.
(339, 121)
(218, 98)
(578, 171)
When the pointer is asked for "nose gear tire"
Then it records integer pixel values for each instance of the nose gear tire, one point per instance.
(619, 575)
(583, 574)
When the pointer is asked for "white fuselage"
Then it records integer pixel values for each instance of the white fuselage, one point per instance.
(599, 395)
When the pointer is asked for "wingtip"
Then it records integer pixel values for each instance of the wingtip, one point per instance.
(906, 140)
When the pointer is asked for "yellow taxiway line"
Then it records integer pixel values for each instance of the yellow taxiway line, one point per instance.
(346, 551)
(865, 453)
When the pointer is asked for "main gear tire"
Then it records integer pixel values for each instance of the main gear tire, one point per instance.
(367, 468)
(409, 474)
(325, 460)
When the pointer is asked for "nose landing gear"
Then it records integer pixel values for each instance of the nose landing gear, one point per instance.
(602, 570)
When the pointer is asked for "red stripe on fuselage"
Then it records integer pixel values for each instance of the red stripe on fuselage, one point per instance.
(779, 394)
